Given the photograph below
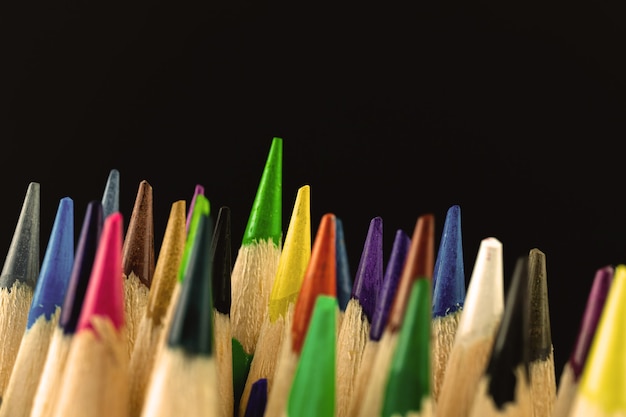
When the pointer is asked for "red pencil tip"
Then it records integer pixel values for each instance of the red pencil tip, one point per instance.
(105, 293)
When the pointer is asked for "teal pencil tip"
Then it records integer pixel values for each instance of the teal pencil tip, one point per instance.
(265, 221)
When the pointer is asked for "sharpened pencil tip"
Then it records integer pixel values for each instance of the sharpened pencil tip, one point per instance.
(81, 269)
(199, 189)
(344, 279)
(449, 270)
(258, 399)
(265, 221)
(111, 195)
(192, 323)
(138, 250)
(105, 292)
(201, 208)
(221, 251)
(22, 260)
(56, 266)
(369, 274)
(540, 341)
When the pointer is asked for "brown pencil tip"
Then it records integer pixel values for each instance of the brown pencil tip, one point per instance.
(138, 255)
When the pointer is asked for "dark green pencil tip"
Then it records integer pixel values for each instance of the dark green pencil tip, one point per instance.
(540, 343)
(265, 221)
(192, 324)
(201, 208)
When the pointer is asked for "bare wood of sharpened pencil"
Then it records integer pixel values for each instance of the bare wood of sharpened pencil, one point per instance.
(49, 386)
(17, 281)
(476, 331)
(292, 265)
(95, 380)
(419, 263)
(138, 261)
(151, 327)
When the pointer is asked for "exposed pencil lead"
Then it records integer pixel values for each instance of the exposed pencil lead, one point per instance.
(265, 221)
(111, 195)
(138, 249)
(201, 208)
(56, 266)
(258, 399)
(399, 250)
(344, 279)
(192, 324)
(369, 274)
(22, 260)
(105, 293)
(540, 342)
(84, 256)
(510, 349)
(449, 270)
(199, 189)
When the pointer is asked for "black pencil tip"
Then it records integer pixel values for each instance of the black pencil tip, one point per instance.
(221, 252)
(540, 343)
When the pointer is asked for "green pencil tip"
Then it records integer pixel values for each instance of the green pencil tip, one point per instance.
(408, 383)
(265, 221)
(313, 390)
(201, 207)
(241, 368)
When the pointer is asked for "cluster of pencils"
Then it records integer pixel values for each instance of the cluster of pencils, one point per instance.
(282, 328)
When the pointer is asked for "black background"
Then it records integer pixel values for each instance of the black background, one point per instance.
(513, 110)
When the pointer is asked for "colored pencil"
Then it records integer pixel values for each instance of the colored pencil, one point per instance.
(355, 328)
(48, 388)
(257, 399)
(312, 393)
(184, 380)
(504, 388)
(111, 195)
(95, 380)
(408, 391)
(448, 295)
(199, 189)
(541, 351)
(43, 314)
(419, 263)
(344, 278)
(138, 261)
(18, 280)
(151, 328)
(320, 278)
(572, 369)
(476, 331)
(601, 388)
(255, 266)
(392, 275)
(221, 261)
(292, 266)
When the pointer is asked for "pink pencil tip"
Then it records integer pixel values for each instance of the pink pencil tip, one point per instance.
(105, 293)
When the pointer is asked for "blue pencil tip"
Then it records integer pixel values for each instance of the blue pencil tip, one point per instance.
(369, 275)
(258, 399)
(344, 280)
(56, 266)
(449, 271)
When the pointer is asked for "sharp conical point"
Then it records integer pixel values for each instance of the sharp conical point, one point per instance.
(449, 270)
(201, 208)
(84, 256)
(320, 278)
(199, 189)
(192, 323)
(22, 260)
(540, 342)
(265, 221)
(593, 309)
(56, 266)
(111, 194)
(138, 250)
(604, 374)
(294, 257)
(344, 279)
(369, 275)
(393, 271)
(105, 293)
(484, 301)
